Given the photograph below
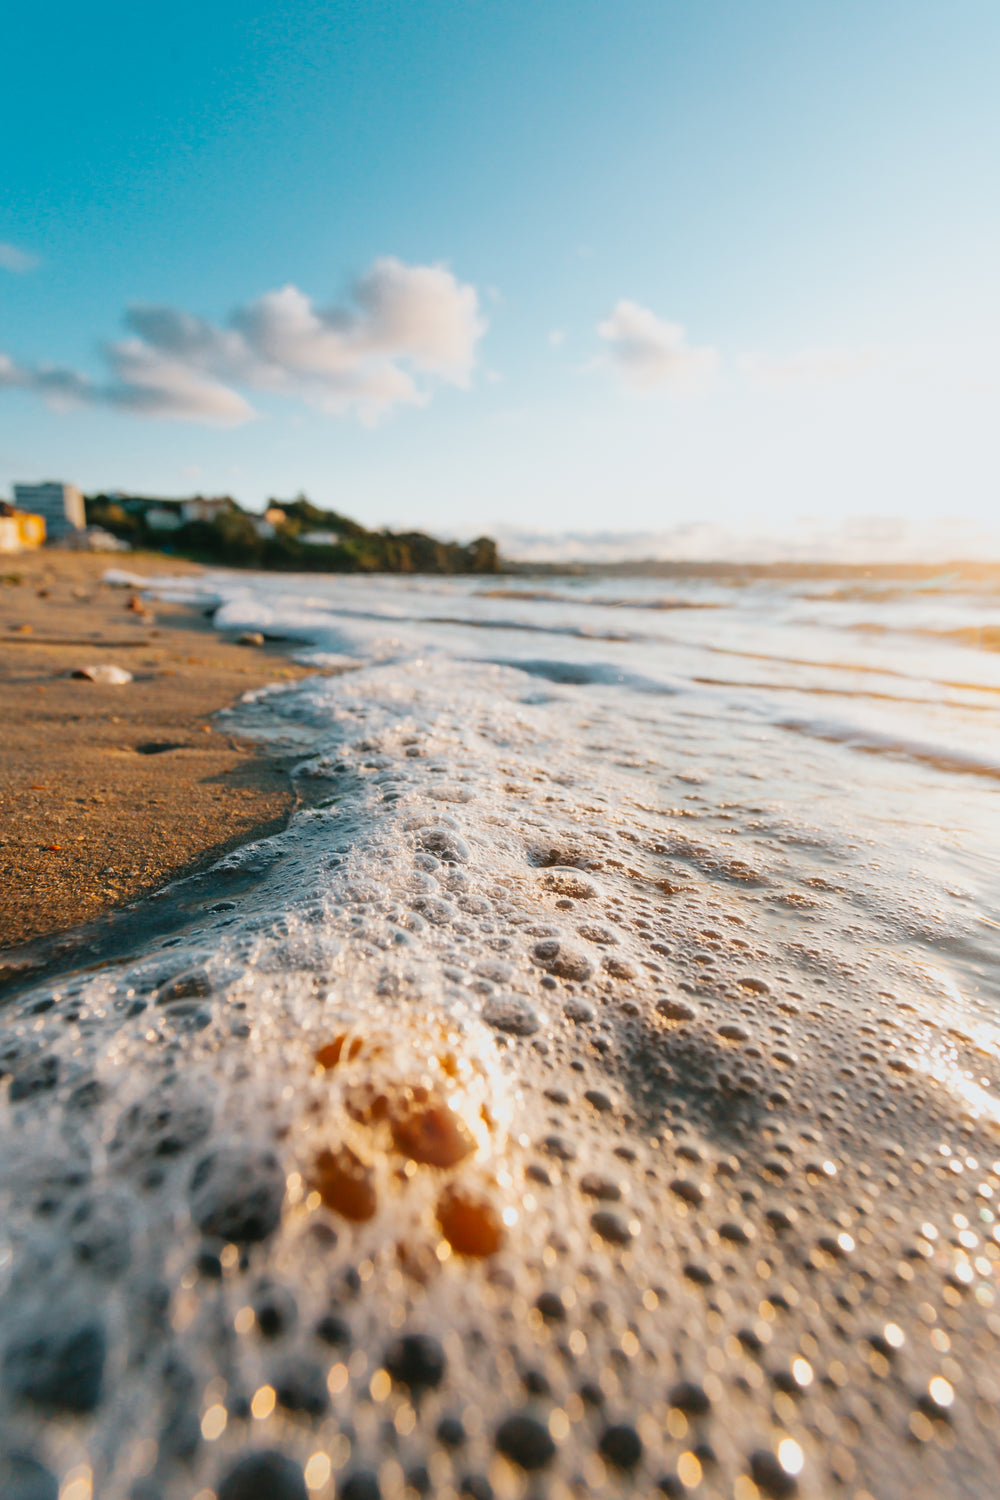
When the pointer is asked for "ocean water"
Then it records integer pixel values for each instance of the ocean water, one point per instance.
(594, 1090)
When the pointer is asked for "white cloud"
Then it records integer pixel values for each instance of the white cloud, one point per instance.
(645, 351)
(13, 259)
(809, 367)
(407, 328)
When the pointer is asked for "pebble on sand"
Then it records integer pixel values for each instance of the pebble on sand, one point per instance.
(104, 672)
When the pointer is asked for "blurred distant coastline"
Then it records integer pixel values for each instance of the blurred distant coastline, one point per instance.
(294, 535)
(298, 536)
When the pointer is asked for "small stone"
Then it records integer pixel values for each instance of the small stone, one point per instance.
(578, 1010)
(104, 672)
(526, 1441)
(618, 968)
(511, 1013)
(346, 1184)
(470, 1223)
(781, 1218)
(416, 1360)
(250, 638)
(237, 1194)
(264, 1475)
(430, 1132)
(57, 1364)
(620, 1446)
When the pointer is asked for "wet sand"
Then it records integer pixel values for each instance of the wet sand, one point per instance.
(108, 792)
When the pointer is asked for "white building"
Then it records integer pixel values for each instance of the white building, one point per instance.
(60, 505)
(163, 518)
(199, 509)
(320, 538)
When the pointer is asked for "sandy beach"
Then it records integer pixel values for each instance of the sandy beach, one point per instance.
(107, 791)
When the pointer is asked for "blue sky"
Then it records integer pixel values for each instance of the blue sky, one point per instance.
(559, 266)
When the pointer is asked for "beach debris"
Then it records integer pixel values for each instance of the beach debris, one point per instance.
(104, 672)
(250, 638)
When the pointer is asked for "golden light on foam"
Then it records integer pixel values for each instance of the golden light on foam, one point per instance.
(263, 1401)
(940, 1391)
(336, 1380)
(213, 1423)
(380, 1385)
(790, 1456)
(405, 1420)
(558, 1425)
(317, 1471)
(244, 1320)
(78, 1484)
(689, 1471)
(894, 1336)
(802, 1372)
(677, 1424)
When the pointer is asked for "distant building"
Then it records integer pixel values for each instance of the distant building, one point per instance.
(199, 509)
(163, 518)
(19, 529)
(59, 505)
(320, 538)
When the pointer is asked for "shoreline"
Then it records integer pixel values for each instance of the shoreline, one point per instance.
(109, 793)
